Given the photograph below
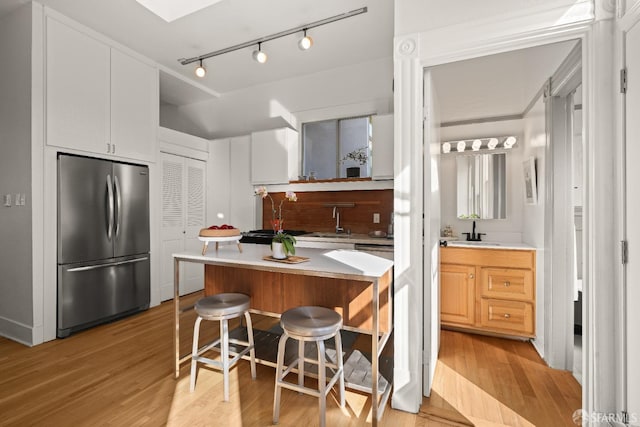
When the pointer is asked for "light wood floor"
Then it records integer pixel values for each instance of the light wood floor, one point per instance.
(120, 374)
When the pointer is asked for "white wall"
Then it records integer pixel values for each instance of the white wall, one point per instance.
(276, 105)
(498, 230)
(533, 215)
(16, 293)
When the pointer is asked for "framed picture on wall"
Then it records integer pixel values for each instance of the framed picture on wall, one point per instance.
(530, 181)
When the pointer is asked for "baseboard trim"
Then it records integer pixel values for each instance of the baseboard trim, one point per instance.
(16, 331)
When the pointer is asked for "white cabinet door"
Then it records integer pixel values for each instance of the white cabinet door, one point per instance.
(183, 215)
(77, 90)
(218, 183)
(382, 147)
(274, 156)
(134, 107)
(242, 202)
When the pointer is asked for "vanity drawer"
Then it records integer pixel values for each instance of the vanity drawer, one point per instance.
(512, 316)
(508, 283)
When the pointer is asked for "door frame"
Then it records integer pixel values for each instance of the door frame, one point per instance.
(413, 53)
(625, 23)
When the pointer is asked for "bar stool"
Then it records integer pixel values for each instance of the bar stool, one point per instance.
(315, 324)
(222, 307)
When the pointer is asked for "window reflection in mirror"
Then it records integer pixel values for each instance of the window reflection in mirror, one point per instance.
(339, 148)
(481, 186)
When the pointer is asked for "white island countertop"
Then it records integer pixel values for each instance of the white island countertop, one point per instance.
(336, 263)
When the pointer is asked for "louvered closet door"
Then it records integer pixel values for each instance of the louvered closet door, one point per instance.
(183, 215)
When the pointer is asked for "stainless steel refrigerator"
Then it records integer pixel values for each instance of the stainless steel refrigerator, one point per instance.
(103, 241)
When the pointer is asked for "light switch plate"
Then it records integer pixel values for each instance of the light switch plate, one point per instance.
(376, 218)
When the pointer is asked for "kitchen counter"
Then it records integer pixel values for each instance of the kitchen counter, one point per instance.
(345, 238)
(354, 283)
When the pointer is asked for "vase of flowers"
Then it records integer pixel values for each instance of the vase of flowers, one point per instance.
(277, 221)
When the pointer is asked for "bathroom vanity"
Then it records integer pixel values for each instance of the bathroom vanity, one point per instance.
(488, 288)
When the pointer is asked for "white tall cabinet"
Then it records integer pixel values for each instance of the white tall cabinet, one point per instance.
(233, 200)
(183, 216)
(99, 99)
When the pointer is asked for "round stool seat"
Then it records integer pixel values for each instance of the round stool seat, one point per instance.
(222, 305)
(311, 321)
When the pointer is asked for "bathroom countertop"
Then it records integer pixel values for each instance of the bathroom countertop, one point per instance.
(489, 245)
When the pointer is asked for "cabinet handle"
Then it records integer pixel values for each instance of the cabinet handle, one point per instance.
(507, 284)
(471, 276)
(108, 148)
(113, 148)
(507, 315)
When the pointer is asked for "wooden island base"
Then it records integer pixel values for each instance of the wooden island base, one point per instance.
(276, 292)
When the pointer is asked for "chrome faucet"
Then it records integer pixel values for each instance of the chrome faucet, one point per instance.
(336, 215)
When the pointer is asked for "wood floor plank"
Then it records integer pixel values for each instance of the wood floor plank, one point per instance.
(121, 374)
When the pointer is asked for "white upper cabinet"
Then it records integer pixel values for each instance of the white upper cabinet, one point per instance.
(77, 90)
(382, 147)
(274, 156)
(134, 107)
(98, 99)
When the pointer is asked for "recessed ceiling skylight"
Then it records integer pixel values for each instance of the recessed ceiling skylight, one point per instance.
(170, 10)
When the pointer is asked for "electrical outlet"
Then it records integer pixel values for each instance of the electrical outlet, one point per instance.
(17, 199)
(7, 199)
(22, 199)
(376, 218)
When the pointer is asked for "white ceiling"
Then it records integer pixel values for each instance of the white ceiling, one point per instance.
(497, 85)
(229, 22)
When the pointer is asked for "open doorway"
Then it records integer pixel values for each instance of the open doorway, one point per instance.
(496, 97)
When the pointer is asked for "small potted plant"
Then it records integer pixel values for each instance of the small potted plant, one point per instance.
(282, 245)
(359, 156)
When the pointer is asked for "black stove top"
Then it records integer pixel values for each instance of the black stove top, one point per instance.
(263, 237)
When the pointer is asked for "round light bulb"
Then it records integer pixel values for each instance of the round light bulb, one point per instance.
(305, 43)
(461, 146)
(493, 143)
(476, 145)
(446, 147)
(260, 56)
(201, 71)
(508, 143)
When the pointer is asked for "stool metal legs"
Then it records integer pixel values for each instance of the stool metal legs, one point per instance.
(225, 362)
(323, 386)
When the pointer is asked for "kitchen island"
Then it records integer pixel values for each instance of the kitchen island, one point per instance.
(355, 284)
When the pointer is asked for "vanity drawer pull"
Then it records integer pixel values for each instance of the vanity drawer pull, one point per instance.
(507, 315)
(471, 276)
(507, 284)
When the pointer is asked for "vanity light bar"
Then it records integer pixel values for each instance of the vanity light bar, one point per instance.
(479, 144)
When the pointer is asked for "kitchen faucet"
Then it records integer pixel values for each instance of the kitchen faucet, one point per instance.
(336, 215)
(473, 236)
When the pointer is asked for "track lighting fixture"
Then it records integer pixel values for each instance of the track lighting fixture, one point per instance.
(201, 71)
(305, 42)
(259, 55)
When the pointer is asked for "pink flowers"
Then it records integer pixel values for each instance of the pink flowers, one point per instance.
(289, 195)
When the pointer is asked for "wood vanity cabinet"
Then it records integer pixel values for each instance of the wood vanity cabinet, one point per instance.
(488, 290)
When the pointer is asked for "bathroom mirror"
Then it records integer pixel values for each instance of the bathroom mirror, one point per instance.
(481, 186)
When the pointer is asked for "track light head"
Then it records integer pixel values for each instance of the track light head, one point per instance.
(305, 42)
(201, 71)
(259, 55)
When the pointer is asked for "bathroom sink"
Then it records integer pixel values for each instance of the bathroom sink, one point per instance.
(471, 243)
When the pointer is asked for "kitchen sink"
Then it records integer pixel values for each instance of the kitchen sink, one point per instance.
(332, 235)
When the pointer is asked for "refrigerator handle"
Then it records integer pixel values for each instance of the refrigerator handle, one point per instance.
(118, 205)
(110, 204)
